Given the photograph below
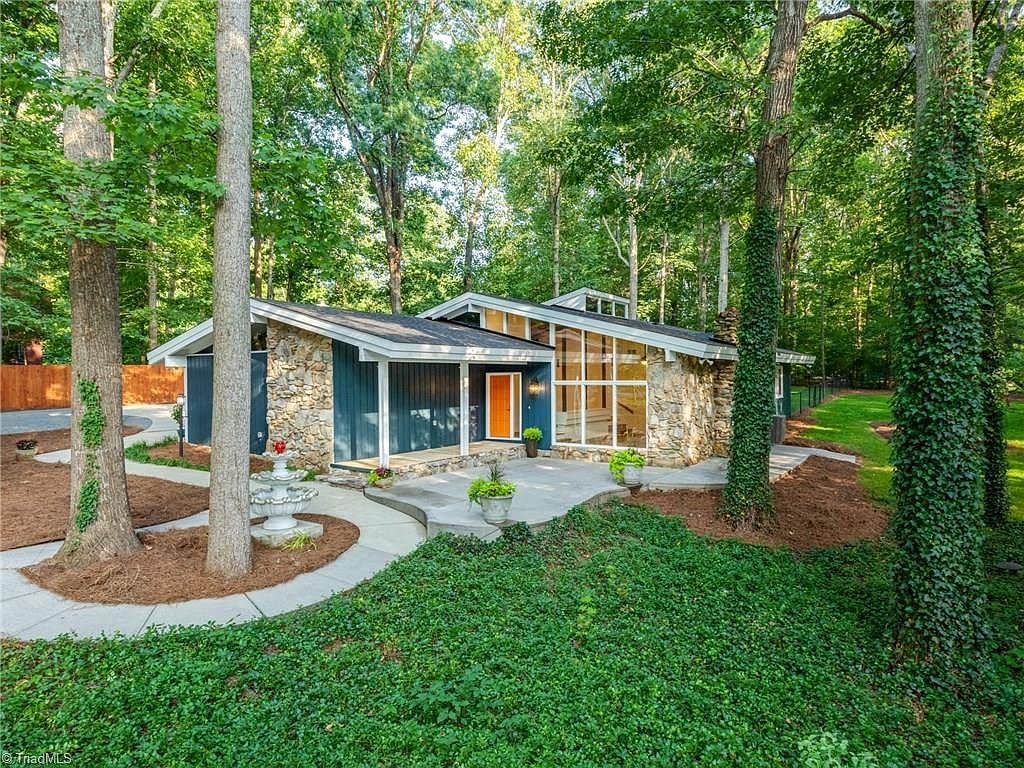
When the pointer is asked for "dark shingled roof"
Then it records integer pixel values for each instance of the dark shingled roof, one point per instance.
(406, 329)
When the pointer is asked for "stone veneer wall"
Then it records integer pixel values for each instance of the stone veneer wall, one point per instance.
(680, 409)
(300, 393)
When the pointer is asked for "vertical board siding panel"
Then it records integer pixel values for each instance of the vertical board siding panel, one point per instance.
(424, 406)
(355, 404)
(199, 400)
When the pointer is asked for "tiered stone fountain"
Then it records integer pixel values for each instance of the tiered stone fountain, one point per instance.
(279, 500)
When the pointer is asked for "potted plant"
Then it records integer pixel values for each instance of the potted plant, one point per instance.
(532, 437)
(26, 448)
(494, 494)
(626, 466)
(381, 477)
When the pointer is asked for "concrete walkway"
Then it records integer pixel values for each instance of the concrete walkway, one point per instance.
(29, 612)
(548, 488)
(711, 473)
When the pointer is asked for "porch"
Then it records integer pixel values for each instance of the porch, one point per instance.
(409, 462)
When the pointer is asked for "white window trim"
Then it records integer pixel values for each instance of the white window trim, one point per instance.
(583, 382)
(515, 390)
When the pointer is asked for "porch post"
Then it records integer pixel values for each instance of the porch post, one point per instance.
(383, 413)
(464, 409)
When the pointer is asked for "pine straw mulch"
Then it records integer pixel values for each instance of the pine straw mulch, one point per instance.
(35, 497)
(170, 567)
(797, 425)
(884, 429)
(819, 504)
(200, 456)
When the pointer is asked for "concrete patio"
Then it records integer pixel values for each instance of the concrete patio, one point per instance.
(548, 488)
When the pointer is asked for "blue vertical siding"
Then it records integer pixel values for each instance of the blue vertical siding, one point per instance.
(355, 404)
(536, 411)
(424, 404)
(199, 400)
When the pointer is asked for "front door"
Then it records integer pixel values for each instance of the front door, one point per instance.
(503, 417)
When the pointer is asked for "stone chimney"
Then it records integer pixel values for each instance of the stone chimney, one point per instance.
(727, 325)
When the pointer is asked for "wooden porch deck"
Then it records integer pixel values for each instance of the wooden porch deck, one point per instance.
(401, 461)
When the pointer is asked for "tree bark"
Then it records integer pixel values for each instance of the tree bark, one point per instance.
(747, 500)
(151, 248)
(703, 256)
(229, 550)
(723, 264)
(937, 575)
(633, 251)
(663, 278)
(556, 225)
(100, 522)
(467, 256)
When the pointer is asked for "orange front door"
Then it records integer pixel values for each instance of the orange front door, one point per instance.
(499, 418)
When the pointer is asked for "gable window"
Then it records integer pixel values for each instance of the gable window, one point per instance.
(600, 390)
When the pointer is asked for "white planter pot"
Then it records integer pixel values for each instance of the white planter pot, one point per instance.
(26, 452)
(496, 509)
(631, 474)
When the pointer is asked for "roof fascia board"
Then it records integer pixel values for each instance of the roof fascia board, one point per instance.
(692, 348)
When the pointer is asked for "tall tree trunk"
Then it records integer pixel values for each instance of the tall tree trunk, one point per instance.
(996, 493)
(257, 247)
(467, 256)
(271, 263)
(937, 572)
(747, 499)
(663, 278)
(703, 255)
(723, 264)
(151, 249)
(229, 551)
(394, 247)
(556, 226)
(100, 523)
(633, 254)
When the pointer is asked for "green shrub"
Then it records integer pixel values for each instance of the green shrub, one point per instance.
(622, 459)
(533, 433)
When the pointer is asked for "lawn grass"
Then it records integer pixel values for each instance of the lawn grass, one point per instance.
(614, 638)
(140, 452)
(847, 420)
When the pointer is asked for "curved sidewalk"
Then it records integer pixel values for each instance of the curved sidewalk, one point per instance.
(27, 611)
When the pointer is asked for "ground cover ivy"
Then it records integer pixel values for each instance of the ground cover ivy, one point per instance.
(613, 637)
(91, 425)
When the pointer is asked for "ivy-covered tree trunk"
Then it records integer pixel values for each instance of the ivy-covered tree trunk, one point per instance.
(229, 551)
(939, 602)
(995, 493)
(747, 499)
(100, 524)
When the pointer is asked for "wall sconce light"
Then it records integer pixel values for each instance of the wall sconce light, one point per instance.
(534, 388)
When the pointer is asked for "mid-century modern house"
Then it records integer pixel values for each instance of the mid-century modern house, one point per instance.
(461, 382)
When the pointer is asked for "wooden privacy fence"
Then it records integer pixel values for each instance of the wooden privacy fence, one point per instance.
(49, 386)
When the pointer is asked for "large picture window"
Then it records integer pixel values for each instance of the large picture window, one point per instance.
(600, 390)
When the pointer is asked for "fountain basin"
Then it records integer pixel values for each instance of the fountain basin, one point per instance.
(279, 507)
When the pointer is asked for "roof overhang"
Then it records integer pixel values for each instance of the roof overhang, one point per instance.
(173, 352)
(474, 302)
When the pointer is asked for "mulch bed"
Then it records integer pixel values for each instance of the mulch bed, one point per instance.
(819, 504)
(200, 454)
(170, 566)
(884, 429)
(36, 497)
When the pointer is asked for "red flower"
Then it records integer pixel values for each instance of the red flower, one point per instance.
(279, 446)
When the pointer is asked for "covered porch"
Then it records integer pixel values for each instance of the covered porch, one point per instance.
(408, 462)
